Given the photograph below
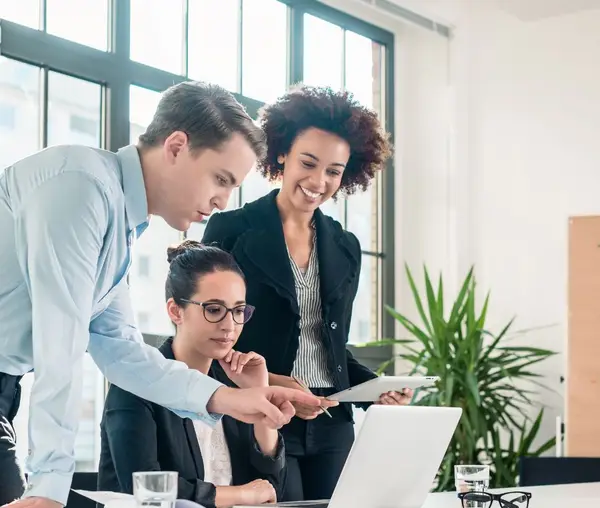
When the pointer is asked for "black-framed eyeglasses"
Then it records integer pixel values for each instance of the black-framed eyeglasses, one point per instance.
(514, 499)
(216, 312)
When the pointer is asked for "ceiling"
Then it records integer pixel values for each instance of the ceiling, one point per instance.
(532, 10)
(450, 11)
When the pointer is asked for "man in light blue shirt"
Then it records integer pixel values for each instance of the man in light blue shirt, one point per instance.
(69, 216)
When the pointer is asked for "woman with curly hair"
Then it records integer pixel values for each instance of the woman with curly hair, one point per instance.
(302, 270)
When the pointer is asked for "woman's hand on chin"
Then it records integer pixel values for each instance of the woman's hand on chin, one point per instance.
(247, 370)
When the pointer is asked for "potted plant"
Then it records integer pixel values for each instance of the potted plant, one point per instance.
(479, 371)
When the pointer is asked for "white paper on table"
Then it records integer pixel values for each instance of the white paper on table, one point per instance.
(109, 499)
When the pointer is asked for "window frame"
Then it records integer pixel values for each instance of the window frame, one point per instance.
(115, 71)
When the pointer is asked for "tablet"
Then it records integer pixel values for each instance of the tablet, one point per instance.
(371, 390)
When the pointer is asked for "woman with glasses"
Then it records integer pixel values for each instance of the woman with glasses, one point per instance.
(232, 463)
(302, 269)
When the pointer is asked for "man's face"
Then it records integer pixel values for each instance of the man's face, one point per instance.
(198, 182)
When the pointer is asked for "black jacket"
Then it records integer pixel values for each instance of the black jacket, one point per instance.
(137, 435)
(254, 235)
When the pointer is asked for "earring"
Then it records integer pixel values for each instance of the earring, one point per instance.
(280, 159)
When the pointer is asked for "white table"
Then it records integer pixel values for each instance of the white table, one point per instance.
(580, 495)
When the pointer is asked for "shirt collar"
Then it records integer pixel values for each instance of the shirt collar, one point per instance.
(136, 202)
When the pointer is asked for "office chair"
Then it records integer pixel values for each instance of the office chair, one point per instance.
(558, 470)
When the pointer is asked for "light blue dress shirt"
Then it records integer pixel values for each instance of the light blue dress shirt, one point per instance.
(69, 216)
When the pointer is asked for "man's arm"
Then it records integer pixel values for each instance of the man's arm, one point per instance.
(59, 232)
(117, 347)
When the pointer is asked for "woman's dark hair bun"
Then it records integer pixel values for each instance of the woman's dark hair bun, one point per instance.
(175, 251)
(189, 261)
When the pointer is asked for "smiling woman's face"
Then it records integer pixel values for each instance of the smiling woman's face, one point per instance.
(313, 168)
(214, 290)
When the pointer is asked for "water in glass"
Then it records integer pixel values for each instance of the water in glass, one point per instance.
(472, 479)
(156, 489)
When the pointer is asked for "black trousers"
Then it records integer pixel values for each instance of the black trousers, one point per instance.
(316, 451)
(12, 481)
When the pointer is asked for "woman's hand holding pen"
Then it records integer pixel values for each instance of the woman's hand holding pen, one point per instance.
(302, 410)
(310, 413)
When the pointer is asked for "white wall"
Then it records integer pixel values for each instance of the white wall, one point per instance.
(524, 156)
(498, 143)
(533, 160)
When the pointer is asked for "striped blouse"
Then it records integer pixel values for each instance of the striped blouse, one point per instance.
(310, 365)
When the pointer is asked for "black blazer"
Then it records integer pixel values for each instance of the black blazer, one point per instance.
(137, 435)
(254, 236)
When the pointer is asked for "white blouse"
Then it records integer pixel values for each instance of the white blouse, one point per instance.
(215, 453)
(310, 364)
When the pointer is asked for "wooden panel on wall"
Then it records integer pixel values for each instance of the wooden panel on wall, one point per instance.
(582, 422)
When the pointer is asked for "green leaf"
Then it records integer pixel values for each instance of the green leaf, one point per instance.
(493, 382)
(417, 299)
(384, 342)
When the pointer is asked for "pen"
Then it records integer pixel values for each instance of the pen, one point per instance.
(306, 388)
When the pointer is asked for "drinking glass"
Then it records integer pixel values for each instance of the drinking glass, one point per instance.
(157, 489)
(472, 478)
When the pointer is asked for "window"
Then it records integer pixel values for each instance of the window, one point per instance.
(336, 209)
(142, 105)
(82, 125)
(148, 291)
(264, 51)
(250, 60)
(7, 116)
(24, 12)
(255, 186)
(196, 230)
(91, 28)
(365, 324)
(87, 443)
(364, 330)
(211, 55)
(363, 69)
(143, 266)
(363, 76)
(323, 52)
(21, 113)
(157, 30)
(362, 215)
(86, 22)
(74, 111)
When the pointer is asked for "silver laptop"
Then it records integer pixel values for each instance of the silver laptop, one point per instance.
(394, 459)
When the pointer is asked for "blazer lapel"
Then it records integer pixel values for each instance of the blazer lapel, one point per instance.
(337, 262)
(265, 247)
(192, 439)
(167, 350)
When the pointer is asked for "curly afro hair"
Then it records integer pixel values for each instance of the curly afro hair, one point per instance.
(339, 113)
